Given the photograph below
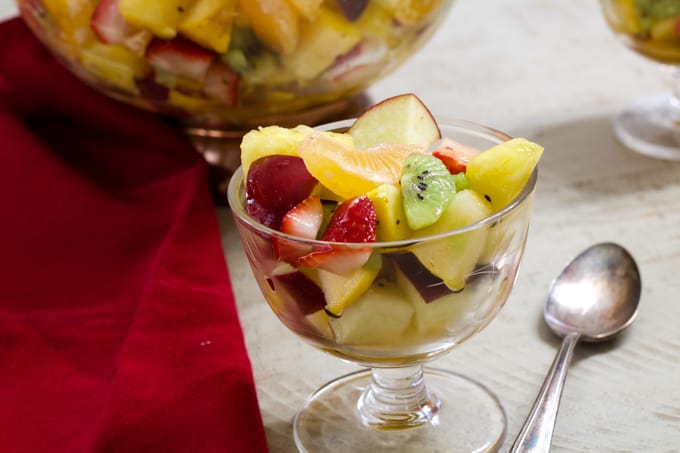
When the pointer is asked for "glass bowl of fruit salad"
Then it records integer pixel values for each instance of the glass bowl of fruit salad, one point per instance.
(387, 241)
(651, 28)
(221, 67)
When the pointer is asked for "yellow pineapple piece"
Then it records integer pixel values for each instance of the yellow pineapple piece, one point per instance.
(309, 9)
(72, 20)
(389, 209)
(342, 290)
(162, 17)
(321, 42)
(501, 172)
(209, 22)
(113, 64)
(275, 23)
(270, 140)
(189, 103)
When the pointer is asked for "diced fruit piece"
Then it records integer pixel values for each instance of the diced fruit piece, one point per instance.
(319, 320)
(270, 140)
(350, 172)
(427, 187)
(179, 57)
(301, 289)
(402, 119)
(309, 9)
(437, 309)
(304, 221)
(501, 172)
(161, 17)
(409, 11)
(222, 83)
(275, 23)
(379, 317)
(453, 258)
(352, 9)
(274, 185)
(342, 290)
(108, 24)
(321, 42)
(114, 64)
(363, 62)
(209, 22)
(454, 155)
(389, 209)
(353, 221)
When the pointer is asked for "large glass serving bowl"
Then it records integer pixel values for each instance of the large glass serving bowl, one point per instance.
(650, 125)
(221, 67)
(406, 318)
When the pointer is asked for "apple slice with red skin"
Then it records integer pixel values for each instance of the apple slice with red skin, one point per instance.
(180, 57)
(108, 23)
(352, 9)
(355, 221)
(274, 185)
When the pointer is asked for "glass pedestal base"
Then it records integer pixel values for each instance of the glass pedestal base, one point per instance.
(649, 126)
(469, 418)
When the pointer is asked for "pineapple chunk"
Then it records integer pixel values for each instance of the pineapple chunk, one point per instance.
(321, 42)
(269, 140)
(409, 11)
(389, 208)
(114, 64)
(275, 23)
(209, 22)
(501, 172)
(162, 17)
(309, 9)
(342, 290)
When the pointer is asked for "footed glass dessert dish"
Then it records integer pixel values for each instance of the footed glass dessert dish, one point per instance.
(391, 306)
(222, 67)
(650, 125)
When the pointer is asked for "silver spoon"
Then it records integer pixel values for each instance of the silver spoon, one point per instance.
(595, 297)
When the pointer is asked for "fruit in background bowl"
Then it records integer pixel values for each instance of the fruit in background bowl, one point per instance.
(233, 64)
(401, 251)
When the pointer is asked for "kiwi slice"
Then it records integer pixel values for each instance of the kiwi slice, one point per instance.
(427, 187)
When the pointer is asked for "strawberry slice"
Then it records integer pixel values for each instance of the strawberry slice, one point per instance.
(304, 221)
(454, 155)
(354, 221)
(180, 57)
(108, 24)
(221, 83)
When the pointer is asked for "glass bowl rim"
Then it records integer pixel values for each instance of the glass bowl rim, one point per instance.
(237, 208)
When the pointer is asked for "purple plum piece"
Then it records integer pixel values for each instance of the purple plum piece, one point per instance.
(429, 286)
(352, 9)
(297, 287)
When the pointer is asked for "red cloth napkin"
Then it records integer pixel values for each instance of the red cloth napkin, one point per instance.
(118, 329)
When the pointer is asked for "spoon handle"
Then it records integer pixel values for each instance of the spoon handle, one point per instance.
(536, 434)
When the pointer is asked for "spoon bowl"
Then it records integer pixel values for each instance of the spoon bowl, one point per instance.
(594, 298)
(596, 295)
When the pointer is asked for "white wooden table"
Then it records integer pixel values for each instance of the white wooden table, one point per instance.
(551, 71)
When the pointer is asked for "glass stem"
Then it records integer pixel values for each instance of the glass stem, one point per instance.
(398, 398)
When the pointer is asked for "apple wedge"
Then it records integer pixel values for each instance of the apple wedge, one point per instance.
(399, 120)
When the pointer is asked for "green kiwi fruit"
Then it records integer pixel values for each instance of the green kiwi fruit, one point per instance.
(427, 187)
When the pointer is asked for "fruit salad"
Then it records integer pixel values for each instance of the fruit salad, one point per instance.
(386, 238)
(232, 61)
(651, 27)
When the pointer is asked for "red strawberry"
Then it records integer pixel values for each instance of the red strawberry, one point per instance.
(180, 57)
(304, 221)
(353, 221)
(454, 155)
(221, 83)
(108, 24)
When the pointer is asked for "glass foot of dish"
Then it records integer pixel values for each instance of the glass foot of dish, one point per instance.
(650, 126)
(469, 418)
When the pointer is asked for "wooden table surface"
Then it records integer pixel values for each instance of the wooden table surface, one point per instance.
(550, 71)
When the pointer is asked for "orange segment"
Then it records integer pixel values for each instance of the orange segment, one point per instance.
(350, 172)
